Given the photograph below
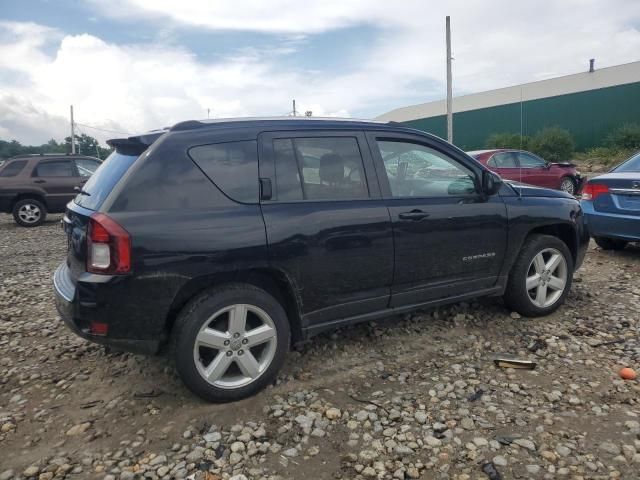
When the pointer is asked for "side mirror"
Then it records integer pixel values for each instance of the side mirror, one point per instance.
(491, 182)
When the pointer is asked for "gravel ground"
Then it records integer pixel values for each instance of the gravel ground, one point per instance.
(412, 397)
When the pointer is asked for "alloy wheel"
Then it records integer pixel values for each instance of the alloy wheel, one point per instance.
(29, 213)
(235, 346)
(547, 277)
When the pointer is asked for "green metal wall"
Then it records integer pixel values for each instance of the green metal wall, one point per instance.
(589, 116)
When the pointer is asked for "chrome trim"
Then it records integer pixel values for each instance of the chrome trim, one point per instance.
(625, 191)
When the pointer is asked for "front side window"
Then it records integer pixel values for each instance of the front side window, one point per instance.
(322, 168)
(415, 170)
(61, 168)
(86, 167)
(503, 160)
(13, 168)
(232, 166)
(529, 161)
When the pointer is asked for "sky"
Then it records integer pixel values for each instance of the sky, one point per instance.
(130, 66)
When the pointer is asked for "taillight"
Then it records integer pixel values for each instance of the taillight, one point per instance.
(108, 246)
(592, 191)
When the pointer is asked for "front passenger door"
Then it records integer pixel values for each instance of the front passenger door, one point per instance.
(449, 238)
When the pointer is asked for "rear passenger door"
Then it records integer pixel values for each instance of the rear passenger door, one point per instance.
(505, 164)
(58, 178)
(449, 237)
(328, 230)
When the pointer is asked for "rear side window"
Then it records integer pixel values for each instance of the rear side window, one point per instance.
(12, 169)
(323, 168)
(62, 168)
(232, 166)
(503, 160)
(86, 167)
(104, 179)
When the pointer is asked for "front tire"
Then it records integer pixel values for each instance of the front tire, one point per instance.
(29, 212)
(568, 185)
(606, 243)
(230, 342)
(541, 276)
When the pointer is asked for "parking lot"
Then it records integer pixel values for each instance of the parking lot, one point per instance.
(412, 397)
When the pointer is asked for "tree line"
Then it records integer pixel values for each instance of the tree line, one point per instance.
(85, 145)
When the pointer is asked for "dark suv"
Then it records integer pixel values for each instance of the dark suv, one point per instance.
(32, 185)
(232, 239)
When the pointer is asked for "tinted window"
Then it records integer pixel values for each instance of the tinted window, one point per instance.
(529, 161)
(104, 179)
(12, 168)
(503, 160)
(232, 166)
(288, 184)
(169, 181)
(631, 165)
(328, 168)
(86, 167)
(61, 168)
(417, 171)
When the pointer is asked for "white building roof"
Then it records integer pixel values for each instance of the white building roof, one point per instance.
(578, 82)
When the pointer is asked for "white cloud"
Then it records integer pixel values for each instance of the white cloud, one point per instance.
(138, 87)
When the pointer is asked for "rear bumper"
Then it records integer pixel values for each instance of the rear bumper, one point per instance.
(78, 315)
(611, 225)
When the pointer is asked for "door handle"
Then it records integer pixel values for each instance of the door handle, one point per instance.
(414, 214)
(39, 181)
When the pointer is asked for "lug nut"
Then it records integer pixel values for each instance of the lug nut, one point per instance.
(229, 353)
(245, 341)
(240, 352)
(236, 335)
(226, 342)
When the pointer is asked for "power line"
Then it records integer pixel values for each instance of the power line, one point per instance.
(103, 129)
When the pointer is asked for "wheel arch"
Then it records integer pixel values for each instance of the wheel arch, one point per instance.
(272, 281)
(563, 231)
(27, 195)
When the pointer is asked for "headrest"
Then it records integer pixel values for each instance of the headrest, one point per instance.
(331, 168)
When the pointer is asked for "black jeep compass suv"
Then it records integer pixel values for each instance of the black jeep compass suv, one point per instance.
(232, 239)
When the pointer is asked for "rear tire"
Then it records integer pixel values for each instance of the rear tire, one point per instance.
(29, 212)
(541, 276)
(606, 243)
(229, 342)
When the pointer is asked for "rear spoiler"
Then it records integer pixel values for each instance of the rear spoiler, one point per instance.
(135, 145)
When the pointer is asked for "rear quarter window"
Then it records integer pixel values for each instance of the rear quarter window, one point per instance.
(12, 169)
(232, 167)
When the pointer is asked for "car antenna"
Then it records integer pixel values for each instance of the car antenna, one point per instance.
(519, 164)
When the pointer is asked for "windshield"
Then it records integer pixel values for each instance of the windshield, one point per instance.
(103, 180)
(631, 165)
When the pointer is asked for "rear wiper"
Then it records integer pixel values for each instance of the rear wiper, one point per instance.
(81, 191)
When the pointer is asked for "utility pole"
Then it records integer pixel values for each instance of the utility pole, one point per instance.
(294, 107)
(208, 111)
(73, 134)
(449, 87)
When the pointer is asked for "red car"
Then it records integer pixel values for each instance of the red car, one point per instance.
(525, 167)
